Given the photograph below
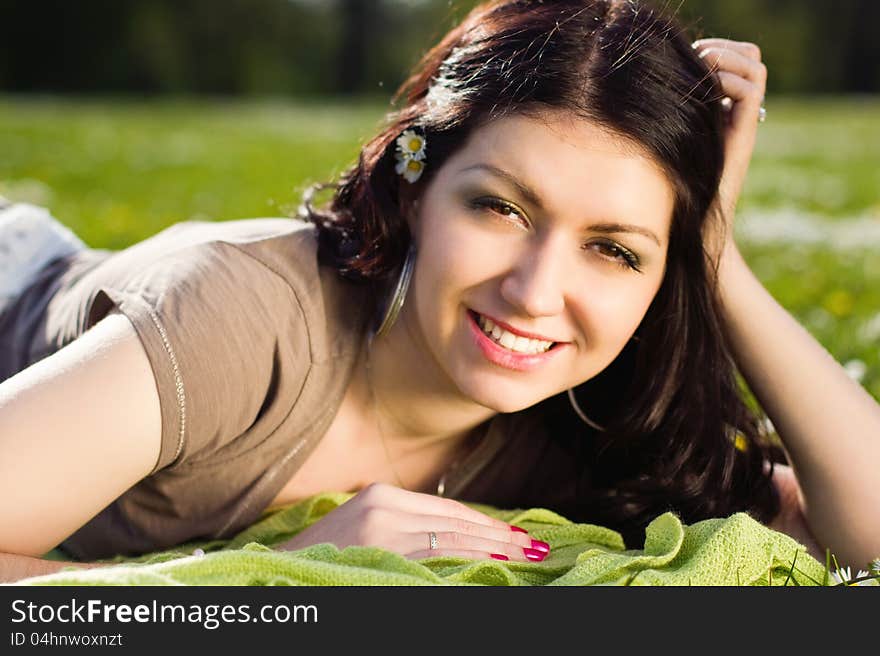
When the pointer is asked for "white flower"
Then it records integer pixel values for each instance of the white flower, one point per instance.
(411, 169)
(870, 330)
(875, 565)
(844, 575)
(856, 369)
(411, 145)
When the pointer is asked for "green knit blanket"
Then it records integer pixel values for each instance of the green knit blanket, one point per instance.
(735, 550)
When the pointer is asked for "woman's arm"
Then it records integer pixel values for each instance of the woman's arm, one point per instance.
(14, 567)
(77, 429)
(829, 425)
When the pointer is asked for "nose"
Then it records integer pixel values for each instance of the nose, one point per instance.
(535, 284)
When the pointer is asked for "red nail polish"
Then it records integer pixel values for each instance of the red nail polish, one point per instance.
(499, 557)
(534, 554)
(517, 529)
(541, 546)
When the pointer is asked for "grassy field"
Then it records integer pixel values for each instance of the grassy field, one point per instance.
(118, 171)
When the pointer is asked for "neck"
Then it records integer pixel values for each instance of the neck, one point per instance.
(416, 404)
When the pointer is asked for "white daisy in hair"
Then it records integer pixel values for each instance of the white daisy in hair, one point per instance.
(410, 169)
(411, 145)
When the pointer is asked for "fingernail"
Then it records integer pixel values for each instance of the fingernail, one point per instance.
(534, 554)
(517, 529)
(499, 557)
(541, 546)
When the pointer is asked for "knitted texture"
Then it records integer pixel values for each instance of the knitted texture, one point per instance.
(735, 550)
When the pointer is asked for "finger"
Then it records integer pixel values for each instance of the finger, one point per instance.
(452, 541)
(721, 59)
(750, 50)
(469, 554)
(473, 530)
(743, 92)
(418, 503)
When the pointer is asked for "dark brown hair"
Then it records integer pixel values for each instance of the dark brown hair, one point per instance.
(670, 402)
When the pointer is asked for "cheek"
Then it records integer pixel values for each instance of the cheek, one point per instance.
(441, 269)
(610, 314)
(453, 255)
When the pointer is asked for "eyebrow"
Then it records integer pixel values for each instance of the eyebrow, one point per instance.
(532, 197)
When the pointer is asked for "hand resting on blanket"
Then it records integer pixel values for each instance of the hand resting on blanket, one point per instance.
(398, 520)
(386, 516)
(395, 519)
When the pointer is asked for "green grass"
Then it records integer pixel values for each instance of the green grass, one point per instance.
(118, 171)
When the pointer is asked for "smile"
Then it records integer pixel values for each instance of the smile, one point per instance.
(510, 340)
(508, 350)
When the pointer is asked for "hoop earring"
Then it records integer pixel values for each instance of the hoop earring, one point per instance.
(580, 413)
(398, 296)
(577, 408)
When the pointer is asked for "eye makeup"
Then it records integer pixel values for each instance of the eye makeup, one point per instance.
(511, 213)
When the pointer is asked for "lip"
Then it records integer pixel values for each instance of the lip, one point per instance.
(516, 331)
(503, 357)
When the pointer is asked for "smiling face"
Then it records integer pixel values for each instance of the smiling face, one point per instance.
(516, 226)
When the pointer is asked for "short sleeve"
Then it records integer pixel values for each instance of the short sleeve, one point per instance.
(216, 325)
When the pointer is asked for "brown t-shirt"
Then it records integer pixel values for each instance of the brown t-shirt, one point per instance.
(252, 343)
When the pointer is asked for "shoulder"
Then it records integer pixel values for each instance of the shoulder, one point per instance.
(262, 275)
(286, 248)
(335, 310)
(228, 266)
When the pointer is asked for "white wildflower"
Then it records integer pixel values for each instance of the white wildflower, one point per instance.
(843, 575)
(411, 169)
(856, 369)
(791, 226)
(870, 330)
(411, 145)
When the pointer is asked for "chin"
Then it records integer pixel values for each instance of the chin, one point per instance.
(491, 395)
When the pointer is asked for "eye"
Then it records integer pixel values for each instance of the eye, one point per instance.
(502, 208)
(618, 254)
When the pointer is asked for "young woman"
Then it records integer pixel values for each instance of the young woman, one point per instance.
(525, 293)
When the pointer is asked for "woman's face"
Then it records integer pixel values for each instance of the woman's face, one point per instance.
(517, 227)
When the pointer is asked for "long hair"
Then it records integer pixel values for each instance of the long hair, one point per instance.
(670, 403)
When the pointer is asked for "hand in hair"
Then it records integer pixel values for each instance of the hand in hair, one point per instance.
(743, 79)
(389, 517)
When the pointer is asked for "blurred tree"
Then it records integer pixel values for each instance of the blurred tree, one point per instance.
(359, 19)
(354, 46)
(813, 46)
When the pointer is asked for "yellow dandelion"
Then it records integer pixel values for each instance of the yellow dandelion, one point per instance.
(839, 302)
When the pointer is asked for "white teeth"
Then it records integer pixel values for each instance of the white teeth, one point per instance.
(510, 341)
(507, 340)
